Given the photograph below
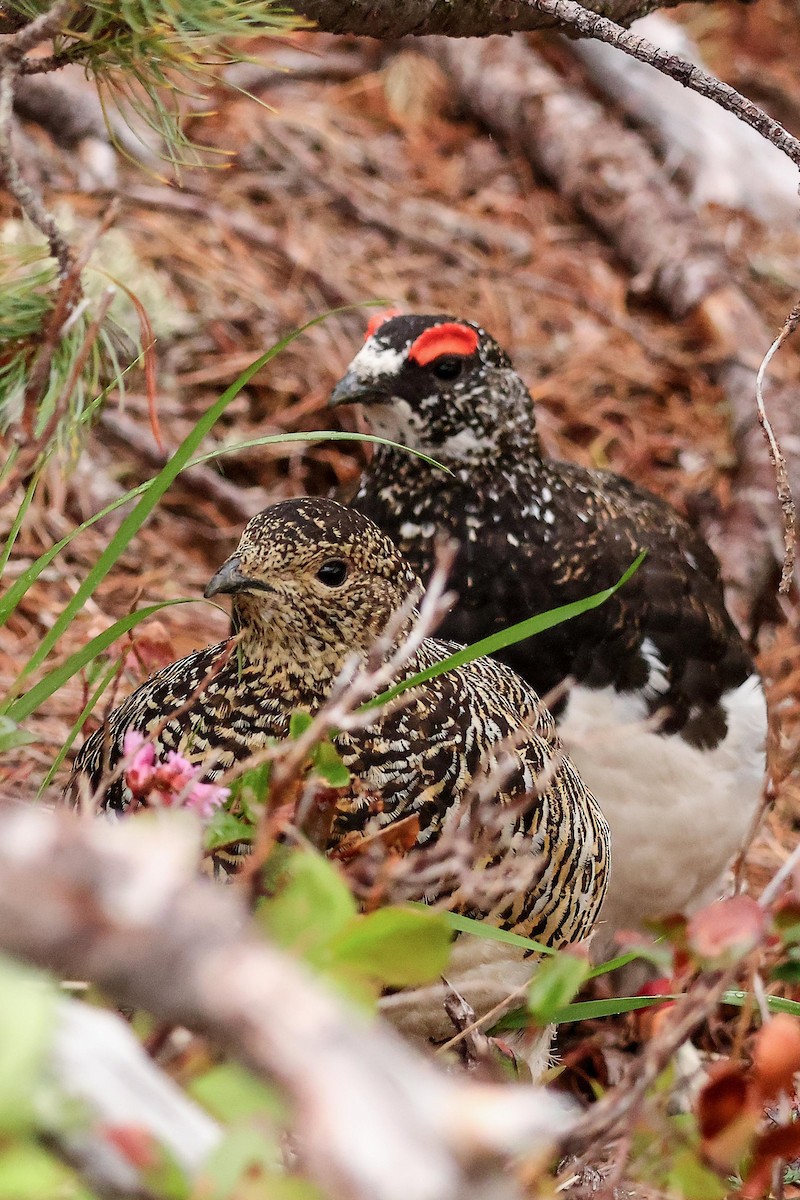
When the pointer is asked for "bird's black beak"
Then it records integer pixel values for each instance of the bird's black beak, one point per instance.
(352, 390)
(229, 578)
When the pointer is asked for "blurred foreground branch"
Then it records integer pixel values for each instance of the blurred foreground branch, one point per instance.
(121, 906)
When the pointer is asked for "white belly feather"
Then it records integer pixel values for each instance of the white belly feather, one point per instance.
(678, 815)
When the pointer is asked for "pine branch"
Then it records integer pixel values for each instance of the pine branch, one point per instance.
(467, 18)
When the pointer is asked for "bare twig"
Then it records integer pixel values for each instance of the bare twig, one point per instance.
(29, 200)
(774, 886)
(31, 203)
(609, 1115)
(690, 1013)
(783, 486)
(34, 32)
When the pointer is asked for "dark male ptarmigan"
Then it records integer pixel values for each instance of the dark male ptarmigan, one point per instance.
(314, 583)
(536, 533)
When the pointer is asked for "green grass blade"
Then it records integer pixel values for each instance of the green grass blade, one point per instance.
(21, 708)
(507, 637)
(490, 932)
(22, 512)
(614, 964)
(585, 1010)
(145, 505)
(12, 596)
(614, 1006)
(75, 730)
(317, 435)
(776, 1004)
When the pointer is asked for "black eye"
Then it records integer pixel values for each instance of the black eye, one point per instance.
(447, 367)
(333, 572)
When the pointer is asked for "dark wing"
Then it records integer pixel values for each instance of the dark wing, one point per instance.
(549, 534)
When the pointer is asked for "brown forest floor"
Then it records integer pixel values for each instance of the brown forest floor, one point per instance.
(337, 189)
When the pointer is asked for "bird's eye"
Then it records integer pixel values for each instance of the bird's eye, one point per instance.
(447, 367)
(333, 572)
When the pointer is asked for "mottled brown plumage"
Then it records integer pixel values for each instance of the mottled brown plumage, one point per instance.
(314, 583)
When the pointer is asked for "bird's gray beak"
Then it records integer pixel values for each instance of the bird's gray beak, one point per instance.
(352, 390)
(229, 578)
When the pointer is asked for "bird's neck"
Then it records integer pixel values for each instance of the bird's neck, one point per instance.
(290, 658)
(479, 451)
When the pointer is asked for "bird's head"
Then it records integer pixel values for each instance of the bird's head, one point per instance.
(439, 384)
(314, 578)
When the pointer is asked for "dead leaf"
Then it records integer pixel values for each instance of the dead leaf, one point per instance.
(725, 931)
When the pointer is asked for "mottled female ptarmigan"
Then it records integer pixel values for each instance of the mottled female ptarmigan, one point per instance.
(314, 583)
(535, 534)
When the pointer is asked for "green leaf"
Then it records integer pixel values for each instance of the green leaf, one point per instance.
(27, 1015)
(507, 637)
(29, 1172)
(225, 828)
(555, 983)
(787, 972)
(299, 722)
(12, 736)
(394, 946)
(328, 764)
(312, 907)
(249, 791)
(231, 1093)
(245, 1149)
(688, 1177)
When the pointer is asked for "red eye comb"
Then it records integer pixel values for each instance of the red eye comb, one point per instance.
(377, 319)
(449, 338)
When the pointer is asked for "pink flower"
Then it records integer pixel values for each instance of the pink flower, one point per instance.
(175, 773)
(205, 798)
(173, 781)
(139, 775)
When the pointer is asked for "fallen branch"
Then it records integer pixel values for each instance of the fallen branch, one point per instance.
(707, 144)
(120, 905)
(688, 74)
